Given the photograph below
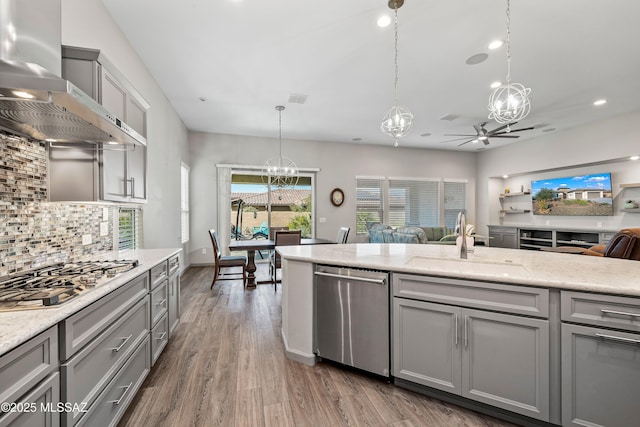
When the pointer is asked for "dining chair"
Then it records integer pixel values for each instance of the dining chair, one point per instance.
(226, 261)
(343, 234)
(282, 238)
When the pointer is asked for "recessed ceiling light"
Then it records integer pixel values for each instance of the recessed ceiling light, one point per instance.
(495, 85)
(425, 134)
(21, 94)
(356, 139)
(505, 176)
(634, 157)
(495, 44)
(384, 21)
(203, 99)
(477, 58)
(600, 102)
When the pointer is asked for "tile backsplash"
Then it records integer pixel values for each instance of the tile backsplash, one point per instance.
(33, 231)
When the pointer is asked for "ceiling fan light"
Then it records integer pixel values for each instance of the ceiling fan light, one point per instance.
(482, 138)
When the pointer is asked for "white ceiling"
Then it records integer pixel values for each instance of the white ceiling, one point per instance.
(247, 56)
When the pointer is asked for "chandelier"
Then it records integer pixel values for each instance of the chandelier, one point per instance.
(398, 120)
(510, 102)
(281, 172)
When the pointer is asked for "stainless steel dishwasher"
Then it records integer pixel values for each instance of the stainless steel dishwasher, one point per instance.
(352, 317)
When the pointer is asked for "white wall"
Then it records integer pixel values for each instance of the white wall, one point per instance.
(338, 164)
(87, 23)
(573, 151)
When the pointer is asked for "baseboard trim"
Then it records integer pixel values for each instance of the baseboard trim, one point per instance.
(298, 356)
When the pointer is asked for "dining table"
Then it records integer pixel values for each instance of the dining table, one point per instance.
(253, 245)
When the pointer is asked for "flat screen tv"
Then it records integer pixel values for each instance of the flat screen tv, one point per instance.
(580, 195)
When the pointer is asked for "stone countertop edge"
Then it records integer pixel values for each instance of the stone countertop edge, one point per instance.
(574, 272)
(16, 327)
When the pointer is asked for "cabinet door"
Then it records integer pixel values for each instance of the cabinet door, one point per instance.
(113, 172)
(426, 347)
(136, 185)
(113, 95)
(137, 116)
(600, 377)
(505, 362)
(174, 301)
(503, 240)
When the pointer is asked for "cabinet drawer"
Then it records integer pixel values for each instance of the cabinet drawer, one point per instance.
(158, 274)
(77, 330)
(601, 310)
(468, 293)
(159, 338)
(159, 303)
(47, 395)
(113, 401)
(87, 373)
(174, 264)
(27, 365)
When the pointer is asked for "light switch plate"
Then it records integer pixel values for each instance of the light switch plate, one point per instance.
(322, 219)
(104, 228)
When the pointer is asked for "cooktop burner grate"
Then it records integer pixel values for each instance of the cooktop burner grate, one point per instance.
(55, 284)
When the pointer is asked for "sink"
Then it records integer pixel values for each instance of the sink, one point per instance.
(470, 266)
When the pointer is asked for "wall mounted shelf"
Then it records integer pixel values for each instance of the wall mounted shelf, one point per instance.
(515, 211)
(633, 210)
(630, 185)
(526, 193)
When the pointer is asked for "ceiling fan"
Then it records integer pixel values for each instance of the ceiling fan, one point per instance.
(482, 134)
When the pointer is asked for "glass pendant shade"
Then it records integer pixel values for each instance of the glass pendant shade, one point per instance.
(509, 103)
(397, 122)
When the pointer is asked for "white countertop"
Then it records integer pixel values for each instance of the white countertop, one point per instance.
(513, 266)
(17, 327)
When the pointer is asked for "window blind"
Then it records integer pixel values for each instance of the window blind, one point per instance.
(184, 203)
(369, 203)
(414, 202)
(455, 196)
(129, 228)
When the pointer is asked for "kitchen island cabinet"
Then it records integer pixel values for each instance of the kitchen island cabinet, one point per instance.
(520, 328)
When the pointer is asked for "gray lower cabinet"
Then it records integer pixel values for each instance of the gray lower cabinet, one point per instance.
(159, 338)
(503, 237)
(98, 343)
(174, 292)
(28, 379)
(498, 359)
(600, 359)
(160, 304)
(115, 398)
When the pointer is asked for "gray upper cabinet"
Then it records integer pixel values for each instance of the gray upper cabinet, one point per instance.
(109, 173)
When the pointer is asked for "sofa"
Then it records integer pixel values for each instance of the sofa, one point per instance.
(382, 233)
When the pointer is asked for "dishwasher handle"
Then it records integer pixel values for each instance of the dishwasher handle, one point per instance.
(354, 278)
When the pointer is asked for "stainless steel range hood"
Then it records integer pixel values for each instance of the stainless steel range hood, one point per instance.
(35, 100)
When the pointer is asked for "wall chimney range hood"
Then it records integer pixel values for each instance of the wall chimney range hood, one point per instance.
(35, 101)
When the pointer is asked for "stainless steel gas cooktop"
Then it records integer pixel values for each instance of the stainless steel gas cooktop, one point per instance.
(56, 284)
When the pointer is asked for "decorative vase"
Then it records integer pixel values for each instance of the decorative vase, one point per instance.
(630, 205)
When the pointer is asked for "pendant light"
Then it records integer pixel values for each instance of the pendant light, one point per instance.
(281, 172)
(398, 120)
(510, 102)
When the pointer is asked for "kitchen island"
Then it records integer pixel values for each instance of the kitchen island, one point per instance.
(552, 324)
(81, 362)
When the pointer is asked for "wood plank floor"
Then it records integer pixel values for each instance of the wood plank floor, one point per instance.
(225, 366)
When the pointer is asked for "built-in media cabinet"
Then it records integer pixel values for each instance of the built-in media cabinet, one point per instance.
(539, 238)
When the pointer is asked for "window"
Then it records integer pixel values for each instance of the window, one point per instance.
(414, 202)
(369, 203)
(184, 202)
(402, 202)
(128, 228)
(455, 197)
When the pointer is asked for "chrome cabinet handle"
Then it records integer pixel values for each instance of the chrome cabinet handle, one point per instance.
(622, 339)
(161, 337)
(455, 319)
(132, 181)
(622, 313)
(117, 349)
(126, 390)
(466, 331)
(161, 302)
